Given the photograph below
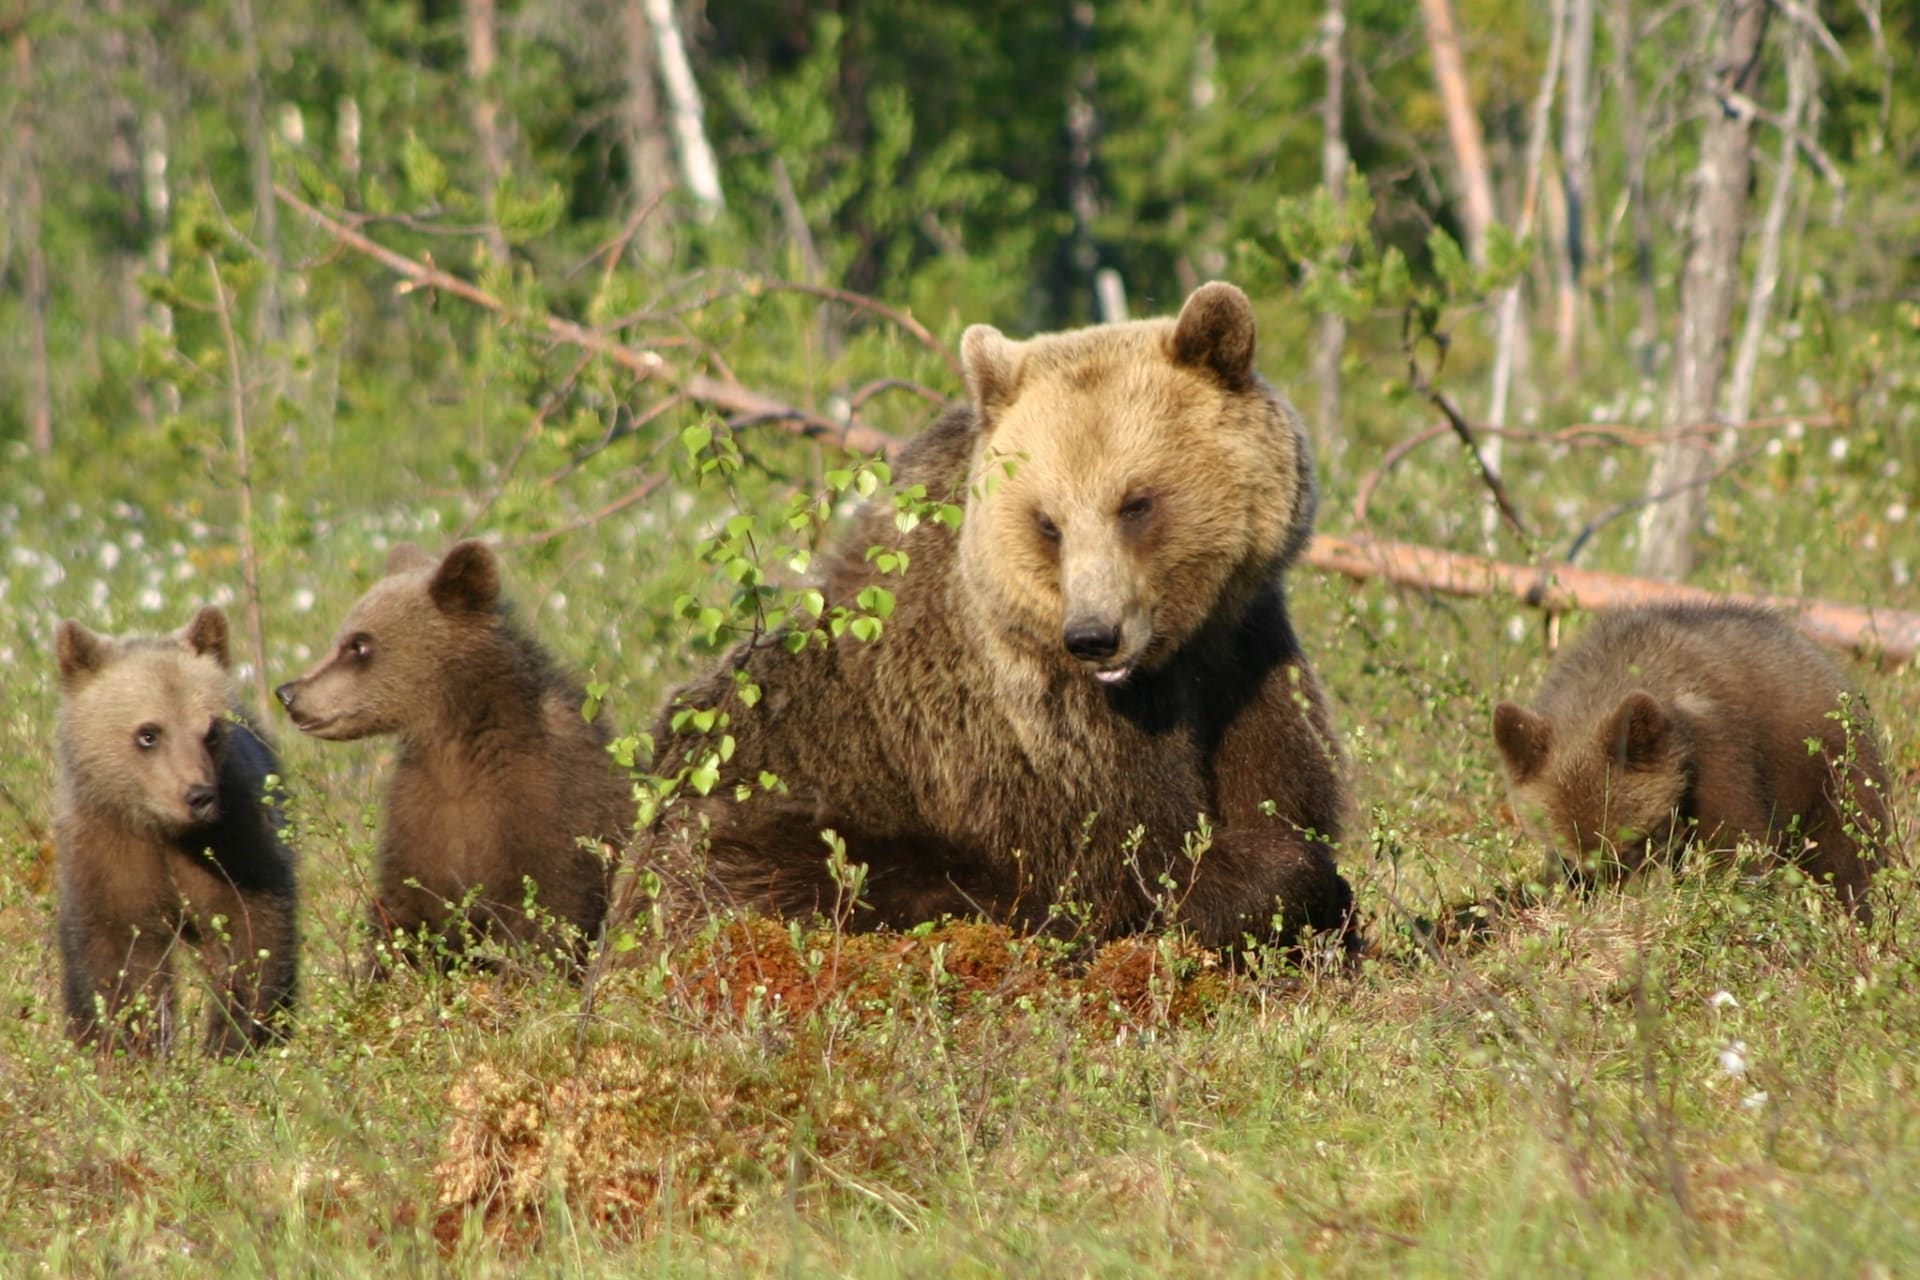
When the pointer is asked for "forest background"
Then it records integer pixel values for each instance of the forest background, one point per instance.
(1586, 284)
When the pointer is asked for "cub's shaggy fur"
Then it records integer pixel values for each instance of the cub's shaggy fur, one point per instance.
(164, 836)
(1677, 723)
(503, 790)
(1096, 664)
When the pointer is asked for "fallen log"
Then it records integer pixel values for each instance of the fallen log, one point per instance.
(1890, 634)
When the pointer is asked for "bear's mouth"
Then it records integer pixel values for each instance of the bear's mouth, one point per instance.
(1113, 677)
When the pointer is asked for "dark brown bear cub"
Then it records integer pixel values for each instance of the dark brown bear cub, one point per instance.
(503, 794)
(164, 836)
(1692, 723)
(1095, 666)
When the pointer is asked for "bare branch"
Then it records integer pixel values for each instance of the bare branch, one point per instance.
(724, 394)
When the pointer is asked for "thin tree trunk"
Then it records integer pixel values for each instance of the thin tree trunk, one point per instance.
(1082, 130)
(1709, 288)
(1766, 272)
(1507, 358)
(648, 144)
(698, 168)
(483, 59)
(1330, 342)
(266, 214)
(39, 407)
(1576, 176)
(157, 198)
(1463, 127)
(1633, 145)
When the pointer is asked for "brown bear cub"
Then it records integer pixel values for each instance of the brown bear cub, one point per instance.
(504, 793)
(164, 835)
(1680, 724)
(1087, 711)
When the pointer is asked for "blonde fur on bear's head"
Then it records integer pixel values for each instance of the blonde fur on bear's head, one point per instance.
(143, 722)
(395, 655)
(1131, 482)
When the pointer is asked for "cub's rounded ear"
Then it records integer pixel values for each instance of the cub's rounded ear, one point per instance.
(468, 579)
(991, 362)
(407, 557)
(208, 634)
(1215, 331)
(80, 652)
(1523, 737)
(1636, 733)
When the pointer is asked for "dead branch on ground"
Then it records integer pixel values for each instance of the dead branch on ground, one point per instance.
(1891, 634)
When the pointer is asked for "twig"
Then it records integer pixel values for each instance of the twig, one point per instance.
(35, 832)
(867, 392)
(649, 365)
(1575, 433)
(249, 552)
(638, 493)
(1613, 513)
(1892, 634)
(1740, 105)
(861, 302)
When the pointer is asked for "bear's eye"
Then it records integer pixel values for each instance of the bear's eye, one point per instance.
(147, 737)
(214, 733)
(1048, 529)
(1137, 508)
(358, 647)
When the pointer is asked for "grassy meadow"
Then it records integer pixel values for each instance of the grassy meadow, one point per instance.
(1704, 1074)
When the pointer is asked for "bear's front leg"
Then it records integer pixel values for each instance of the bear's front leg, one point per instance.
(1269, 886)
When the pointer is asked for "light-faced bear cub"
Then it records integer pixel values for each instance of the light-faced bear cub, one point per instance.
(165, 836)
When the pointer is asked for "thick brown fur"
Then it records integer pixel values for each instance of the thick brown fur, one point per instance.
(500, 781)
(1689, 723)
(1132, 495)
(164, 837)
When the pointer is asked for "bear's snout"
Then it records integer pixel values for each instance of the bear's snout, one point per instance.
(287, 693)
(1091, 639)
(203, 802)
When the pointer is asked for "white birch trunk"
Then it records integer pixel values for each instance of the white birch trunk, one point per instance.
(698, 168)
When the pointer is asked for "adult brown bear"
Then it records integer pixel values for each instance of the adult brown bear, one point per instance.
(1087, 711)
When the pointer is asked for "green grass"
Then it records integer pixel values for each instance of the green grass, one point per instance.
(1554, 1098)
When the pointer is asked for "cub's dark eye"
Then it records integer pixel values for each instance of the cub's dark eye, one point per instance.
(358, 647)
(1137, 508)
(215, 732)
(147, 737)
(1048, 529)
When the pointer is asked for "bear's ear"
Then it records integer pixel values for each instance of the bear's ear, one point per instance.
(207, 634)
(1215, 331)
(405, 558)
(468, 580)
(80, 652)
(991, 362)
(1636, 732)
(1523, 737)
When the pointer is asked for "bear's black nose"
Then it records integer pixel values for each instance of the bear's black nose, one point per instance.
(203, 802)
(285, 693)
(1092, 639)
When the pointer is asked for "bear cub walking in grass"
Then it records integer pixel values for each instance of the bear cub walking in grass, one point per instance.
(1683, 724)
(503, 793)
(163, 836)
(1097, 663)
